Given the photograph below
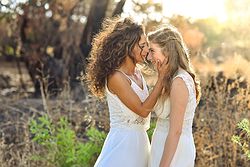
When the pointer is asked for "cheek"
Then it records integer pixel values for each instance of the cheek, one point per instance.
(159, 56)
(135, 52)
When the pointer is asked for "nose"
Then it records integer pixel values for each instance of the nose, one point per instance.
(147, 48)
(149, 56)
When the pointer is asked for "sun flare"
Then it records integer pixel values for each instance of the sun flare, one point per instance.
(195, 9)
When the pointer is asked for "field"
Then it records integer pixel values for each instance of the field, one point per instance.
(225, 101)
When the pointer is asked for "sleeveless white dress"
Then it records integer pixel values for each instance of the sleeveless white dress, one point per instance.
(185, 152)
(127, 143)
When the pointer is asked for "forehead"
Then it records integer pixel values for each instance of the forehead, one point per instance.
(143, 38)
(154, 46)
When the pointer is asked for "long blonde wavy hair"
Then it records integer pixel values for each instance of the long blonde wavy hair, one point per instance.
(171, 43)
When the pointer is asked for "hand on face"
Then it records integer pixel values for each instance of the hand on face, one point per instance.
(141, 51)
(162, 68)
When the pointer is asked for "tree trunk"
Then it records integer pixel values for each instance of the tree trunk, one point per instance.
(31, 67)
(93, 25)
(119, 8)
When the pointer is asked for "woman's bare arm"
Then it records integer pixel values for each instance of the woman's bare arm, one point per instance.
(120, 86)
(178, 103)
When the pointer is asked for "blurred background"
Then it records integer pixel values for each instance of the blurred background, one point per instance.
(47, 115)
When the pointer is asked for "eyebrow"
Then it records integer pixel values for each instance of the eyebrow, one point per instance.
(142, 43)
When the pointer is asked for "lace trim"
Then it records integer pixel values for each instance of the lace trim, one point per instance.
(139, 120)
(189, 83)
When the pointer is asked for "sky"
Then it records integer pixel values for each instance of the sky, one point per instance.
(195, 9)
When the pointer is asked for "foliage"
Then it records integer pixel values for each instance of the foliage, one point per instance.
(150, 131)
(243, 139)
(225, 101)
(212, 30)
(61, 146)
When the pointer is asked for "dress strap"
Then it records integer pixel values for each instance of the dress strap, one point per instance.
(124, 74)
(134, 82)
(144, 83)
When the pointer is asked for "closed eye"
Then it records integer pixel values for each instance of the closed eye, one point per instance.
(142, 45)
(151, 50)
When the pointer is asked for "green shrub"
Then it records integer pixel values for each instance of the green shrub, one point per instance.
(61, 146)
(243, 138)
(150, 131)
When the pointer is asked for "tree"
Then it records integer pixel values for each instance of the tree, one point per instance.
(51, 43)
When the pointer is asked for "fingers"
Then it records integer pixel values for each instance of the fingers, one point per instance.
(164, 68)
(158, 63)
(165, 64)
(165, 61)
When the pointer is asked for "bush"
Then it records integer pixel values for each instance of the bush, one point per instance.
(150, 131)
(243, 139)
(61, 147)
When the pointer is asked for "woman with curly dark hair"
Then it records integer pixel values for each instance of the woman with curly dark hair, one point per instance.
(112, 73)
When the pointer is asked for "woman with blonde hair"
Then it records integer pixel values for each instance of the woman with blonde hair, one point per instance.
(172, 141)
(112, 73)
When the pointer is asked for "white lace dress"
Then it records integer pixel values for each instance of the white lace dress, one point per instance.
(127, 143)
(185, 152)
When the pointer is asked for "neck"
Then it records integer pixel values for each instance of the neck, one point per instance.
(128, 66)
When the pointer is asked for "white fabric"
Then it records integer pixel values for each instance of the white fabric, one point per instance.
(127, 143)
(185, 152)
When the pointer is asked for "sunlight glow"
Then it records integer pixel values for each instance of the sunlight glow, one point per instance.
(196, 8)
(157, 1)
(4, 2)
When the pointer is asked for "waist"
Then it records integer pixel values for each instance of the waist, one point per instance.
(163, 124)
(128, 127)
(127, 122)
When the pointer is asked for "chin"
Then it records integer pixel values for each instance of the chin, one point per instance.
(139, 62)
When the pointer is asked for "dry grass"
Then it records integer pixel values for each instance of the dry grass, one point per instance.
(225, 101)
(231, 66)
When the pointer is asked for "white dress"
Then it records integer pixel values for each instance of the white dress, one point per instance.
(127, 143)
(185, 152)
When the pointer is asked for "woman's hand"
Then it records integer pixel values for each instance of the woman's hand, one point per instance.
(162, 68)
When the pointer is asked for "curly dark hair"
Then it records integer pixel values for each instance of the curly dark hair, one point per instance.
(110, 46)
